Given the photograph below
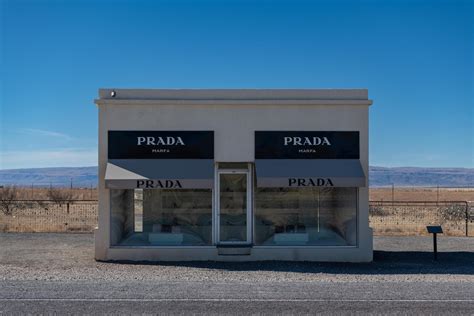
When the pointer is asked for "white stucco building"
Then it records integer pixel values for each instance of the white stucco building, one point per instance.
(233, 175)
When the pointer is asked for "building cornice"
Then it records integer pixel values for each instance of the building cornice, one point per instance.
(233, 97)
(229, 102)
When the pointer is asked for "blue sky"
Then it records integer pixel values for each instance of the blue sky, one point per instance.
(415, 57)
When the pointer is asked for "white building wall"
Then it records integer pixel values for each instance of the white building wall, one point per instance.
(234, 122)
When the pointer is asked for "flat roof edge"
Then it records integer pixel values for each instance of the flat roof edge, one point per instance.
(230, 102)
(232, 94)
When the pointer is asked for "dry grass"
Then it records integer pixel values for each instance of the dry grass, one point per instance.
(422, 194)
(396, 225)
(24, 193)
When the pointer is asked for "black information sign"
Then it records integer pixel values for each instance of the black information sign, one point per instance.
(161, 145)
(306, 145)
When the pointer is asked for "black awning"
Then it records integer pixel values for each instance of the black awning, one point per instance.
(159, 173)
(309, 172)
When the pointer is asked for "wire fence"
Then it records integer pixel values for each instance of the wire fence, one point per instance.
(411, 218)
(395, 218)
(48, 216)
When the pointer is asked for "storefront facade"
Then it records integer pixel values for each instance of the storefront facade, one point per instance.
(233, 175)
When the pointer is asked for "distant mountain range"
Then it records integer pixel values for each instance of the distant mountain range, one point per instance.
(58, 177)
(414, 176)
(379, 177)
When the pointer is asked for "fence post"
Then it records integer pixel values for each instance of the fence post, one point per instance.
(437, 194)
(467, 219)
(393, 193)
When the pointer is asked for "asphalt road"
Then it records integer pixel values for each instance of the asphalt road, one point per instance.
(55, 274)
(236, 298)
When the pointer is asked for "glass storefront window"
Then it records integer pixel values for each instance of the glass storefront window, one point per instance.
(306, 216)
(153, 217)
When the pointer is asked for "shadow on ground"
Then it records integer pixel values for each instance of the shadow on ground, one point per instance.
(385, 262)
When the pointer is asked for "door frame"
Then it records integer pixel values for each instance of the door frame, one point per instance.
(249, 204)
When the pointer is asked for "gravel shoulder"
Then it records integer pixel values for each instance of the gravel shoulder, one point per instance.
(69, 257)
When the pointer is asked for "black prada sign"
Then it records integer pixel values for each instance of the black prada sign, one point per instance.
(161, 145)
(159, 184)
(310, 182)
(306, 145)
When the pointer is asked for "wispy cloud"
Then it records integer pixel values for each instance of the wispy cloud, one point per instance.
(71, 157)
(47, 133)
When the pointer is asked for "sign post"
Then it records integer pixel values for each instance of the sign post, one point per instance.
(435, 230)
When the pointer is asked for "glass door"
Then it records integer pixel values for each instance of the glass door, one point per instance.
(233, 207)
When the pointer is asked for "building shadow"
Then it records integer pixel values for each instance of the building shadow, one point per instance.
(385, 262)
